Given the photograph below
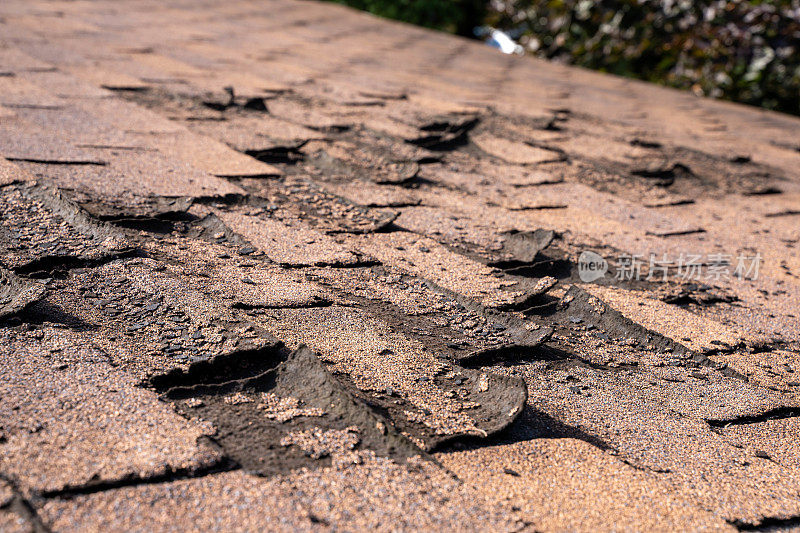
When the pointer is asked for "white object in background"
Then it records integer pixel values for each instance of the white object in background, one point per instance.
(503, 42)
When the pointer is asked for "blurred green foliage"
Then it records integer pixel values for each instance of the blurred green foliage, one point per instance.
(742, 50)
(454, 16)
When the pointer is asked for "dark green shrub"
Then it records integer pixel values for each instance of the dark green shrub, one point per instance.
(454, 16)
(745, 50)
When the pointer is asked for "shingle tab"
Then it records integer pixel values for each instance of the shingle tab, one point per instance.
(71, 420)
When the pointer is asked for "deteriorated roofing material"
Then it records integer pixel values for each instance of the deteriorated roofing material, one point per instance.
(16, 293)
(13, 522)
(419, 495)
(192, 191)
(443, 401)
(569, 485)
(149, 318)
(41, 226)
(65, 408)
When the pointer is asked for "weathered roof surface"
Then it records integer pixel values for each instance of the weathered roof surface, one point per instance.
(193, 191)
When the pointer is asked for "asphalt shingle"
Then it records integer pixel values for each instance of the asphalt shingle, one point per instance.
(191, 191)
